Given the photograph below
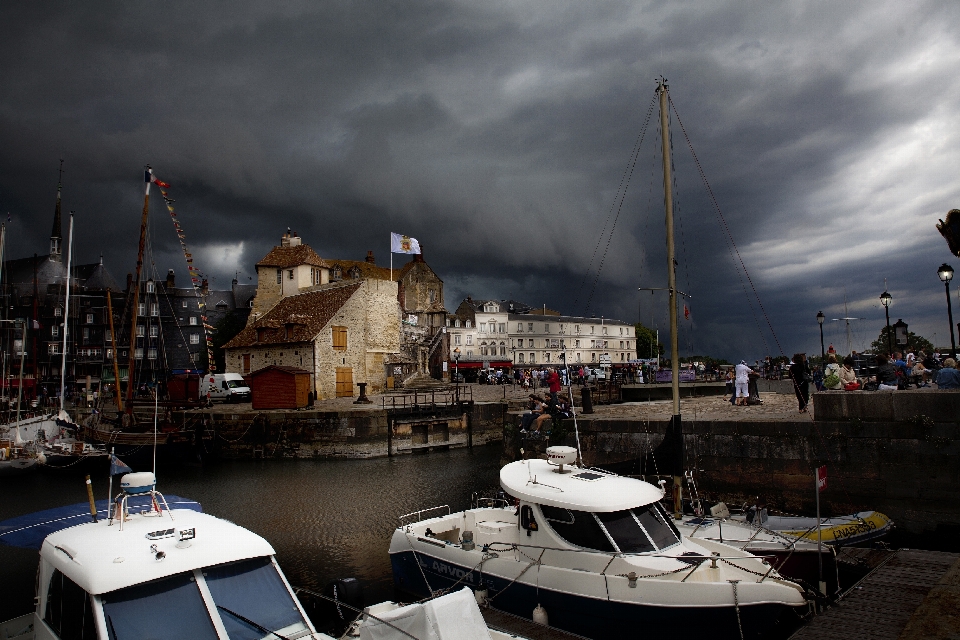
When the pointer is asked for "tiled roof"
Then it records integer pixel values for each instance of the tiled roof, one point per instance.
(296, 318)
(366, 269)
(284, 257)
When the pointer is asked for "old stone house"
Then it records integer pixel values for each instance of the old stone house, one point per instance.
(344, 333)
(293, 268)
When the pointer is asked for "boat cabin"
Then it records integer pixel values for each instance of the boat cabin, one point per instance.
(179, 573)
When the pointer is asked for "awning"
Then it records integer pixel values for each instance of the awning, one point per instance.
(479, 365)
(28, 383)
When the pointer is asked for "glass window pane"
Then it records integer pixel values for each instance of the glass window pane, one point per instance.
(626, 532)
(169, 608)
(254, 590)
(655, 523)
(577, 527)
(68, 610)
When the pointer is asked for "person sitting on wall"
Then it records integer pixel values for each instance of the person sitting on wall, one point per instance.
(886, 374)
(948, 377)
(537, 407)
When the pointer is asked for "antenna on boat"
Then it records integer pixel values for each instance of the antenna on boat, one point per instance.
(66, 317)
(573, 408)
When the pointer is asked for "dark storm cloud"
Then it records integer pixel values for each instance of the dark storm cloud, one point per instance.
(498, 135)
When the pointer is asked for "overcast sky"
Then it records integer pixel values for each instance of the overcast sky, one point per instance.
(500, 135)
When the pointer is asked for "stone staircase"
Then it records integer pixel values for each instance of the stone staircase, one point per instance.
(423, 382)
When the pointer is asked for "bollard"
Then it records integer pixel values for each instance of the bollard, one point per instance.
(363, 399)
(587, 401)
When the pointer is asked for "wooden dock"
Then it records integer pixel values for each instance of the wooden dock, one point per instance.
(913, 595)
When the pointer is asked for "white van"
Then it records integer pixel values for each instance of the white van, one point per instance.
(227, 387)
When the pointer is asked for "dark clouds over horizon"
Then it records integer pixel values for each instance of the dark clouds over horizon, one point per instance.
(497, 133)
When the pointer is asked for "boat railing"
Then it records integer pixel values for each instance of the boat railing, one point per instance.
(407, 518)
(693, 561)
(478, 502)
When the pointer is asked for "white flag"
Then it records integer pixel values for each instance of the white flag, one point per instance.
(403, 244)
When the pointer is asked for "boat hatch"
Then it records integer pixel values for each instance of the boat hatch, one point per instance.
(588, 476)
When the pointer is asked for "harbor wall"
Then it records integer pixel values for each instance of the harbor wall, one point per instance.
(351, 433)
(907, 468)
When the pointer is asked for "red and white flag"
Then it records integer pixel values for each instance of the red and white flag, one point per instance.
(149, 177)
(821, 478)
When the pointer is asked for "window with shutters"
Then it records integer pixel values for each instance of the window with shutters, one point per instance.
(339, 338)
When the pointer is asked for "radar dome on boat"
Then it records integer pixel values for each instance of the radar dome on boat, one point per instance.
(139, 482)
(561, 455)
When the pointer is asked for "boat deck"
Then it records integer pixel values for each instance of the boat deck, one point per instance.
(912, 595)
(522, 626)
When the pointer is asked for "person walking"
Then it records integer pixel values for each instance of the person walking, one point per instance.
(800, 374)
(743, 383)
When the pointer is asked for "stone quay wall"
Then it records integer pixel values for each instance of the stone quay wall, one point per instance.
(350, 433)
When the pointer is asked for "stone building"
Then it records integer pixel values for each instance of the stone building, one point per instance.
(344, 333)
(294, 268)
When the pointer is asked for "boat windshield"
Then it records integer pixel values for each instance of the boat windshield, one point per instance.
(578, 528)
(251, 596)
(638, 530)
(170, 608)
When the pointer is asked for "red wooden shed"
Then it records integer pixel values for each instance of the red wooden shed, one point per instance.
(277, 387)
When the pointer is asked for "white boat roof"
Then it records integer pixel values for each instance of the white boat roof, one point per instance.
(579, 489)
(105, 559)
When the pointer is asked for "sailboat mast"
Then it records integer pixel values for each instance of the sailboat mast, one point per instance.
(663, 91)
(148, 175)
(66, 315)
(674, 432)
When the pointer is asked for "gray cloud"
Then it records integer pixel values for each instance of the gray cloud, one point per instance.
(498, 134)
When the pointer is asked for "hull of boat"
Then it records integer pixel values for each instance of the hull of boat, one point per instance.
(17, 467)
(84, 463)
(589, 617)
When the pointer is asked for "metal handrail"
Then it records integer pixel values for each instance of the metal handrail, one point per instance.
(420, 513)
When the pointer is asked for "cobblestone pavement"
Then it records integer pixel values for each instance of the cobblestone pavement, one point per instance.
(776, 406)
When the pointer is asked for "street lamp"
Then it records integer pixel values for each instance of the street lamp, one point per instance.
(946, 275)
(820, 318)
(885, 300)
(456, 373)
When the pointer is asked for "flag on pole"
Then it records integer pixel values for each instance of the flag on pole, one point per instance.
(686, 312)
(117, 467)
(821, 478)
(403, 244)
(149, 177)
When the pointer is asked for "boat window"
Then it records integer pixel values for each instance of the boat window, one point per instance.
(577, 527)
(626, 531)
(169, 608)
(254, 590)
(658, 525)
(68, 610)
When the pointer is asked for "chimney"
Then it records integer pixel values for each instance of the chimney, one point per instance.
(129, 281)
(285, 239)
(171, 280)
(370, 257)
(294, 240)
(204, 287)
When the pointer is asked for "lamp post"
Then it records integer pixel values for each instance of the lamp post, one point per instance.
(885, 300)
(946, 275)
(456, 372)
(823, 355)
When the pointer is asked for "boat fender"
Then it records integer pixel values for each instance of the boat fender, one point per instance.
(540, 615)
(481, 596)
(467, 542)
(632, 579)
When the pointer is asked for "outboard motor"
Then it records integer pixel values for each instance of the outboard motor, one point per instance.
(333, 614)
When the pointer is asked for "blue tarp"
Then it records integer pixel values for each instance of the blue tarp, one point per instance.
(30, 530)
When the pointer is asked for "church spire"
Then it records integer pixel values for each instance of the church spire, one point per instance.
(56, 235)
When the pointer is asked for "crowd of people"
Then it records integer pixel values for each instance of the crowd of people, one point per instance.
(891, 373)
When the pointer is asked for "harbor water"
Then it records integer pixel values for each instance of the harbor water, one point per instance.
(327, 519)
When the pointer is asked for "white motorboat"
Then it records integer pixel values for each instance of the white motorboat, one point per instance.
(178, 573)
(593, 551)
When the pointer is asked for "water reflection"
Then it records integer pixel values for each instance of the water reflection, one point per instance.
(326, 519)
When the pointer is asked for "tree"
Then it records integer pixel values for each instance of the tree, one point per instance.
(223, 332)
(645, 342)
(881, 345)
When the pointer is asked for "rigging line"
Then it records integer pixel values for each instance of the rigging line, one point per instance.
(623, 197)
(726, 228)
(723, 223)
(627, 169)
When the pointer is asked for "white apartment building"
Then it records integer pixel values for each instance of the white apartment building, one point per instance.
(488, 331)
